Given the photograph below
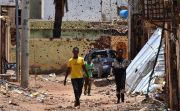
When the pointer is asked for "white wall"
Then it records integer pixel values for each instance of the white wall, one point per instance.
(109, 8)
(9, 2)
(78, 10)
(85, 10)
(49, 10)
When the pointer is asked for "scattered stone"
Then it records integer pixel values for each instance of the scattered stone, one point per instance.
(104, 102)
(69, 107)
(14, 102)
(143, 109)
(97, 103)
(151, 102)
(1, 106)
(91, 105)
(47, 109)
(128, 102)
(107, 92)
(59, 106)
(51, 97)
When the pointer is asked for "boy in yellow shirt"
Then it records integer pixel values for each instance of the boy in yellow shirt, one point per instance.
(76, 64)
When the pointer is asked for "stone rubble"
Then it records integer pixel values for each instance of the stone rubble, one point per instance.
(14, 96)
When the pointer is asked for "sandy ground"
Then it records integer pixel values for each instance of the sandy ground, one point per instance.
(54, 96)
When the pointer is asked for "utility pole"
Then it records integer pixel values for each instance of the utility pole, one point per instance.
(17, 44)
(25, 44)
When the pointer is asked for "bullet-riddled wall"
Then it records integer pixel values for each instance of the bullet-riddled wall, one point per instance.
(84, 10)
(120, 42)
(51, 55)
(47, 56)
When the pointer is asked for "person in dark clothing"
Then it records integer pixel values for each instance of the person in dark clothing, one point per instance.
(119, 67)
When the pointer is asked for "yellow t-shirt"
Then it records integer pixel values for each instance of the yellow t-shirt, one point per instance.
(76, 67)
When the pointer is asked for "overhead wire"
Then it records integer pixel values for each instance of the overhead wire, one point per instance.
(162, 34)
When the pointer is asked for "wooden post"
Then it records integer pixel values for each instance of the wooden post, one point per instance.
(17, 45)
(166, 58)
(177, 53)
(25, 44)
(142, 40)
(178, 59)
(173, 79)
(0, 46)
(174, 96)
(129, 31)
(169, 66)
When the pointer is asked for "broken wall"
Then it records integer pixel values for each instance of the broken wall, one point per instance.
(9, 2)
(120, 42)
(86, 10)
(65, 33)
(83, 10)
(109, 9)
(47, 56)
(46, 53)
(35, 11)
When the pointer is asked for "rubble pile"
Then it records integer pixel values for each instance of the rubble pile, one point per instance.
(51, 95)
(153, 105)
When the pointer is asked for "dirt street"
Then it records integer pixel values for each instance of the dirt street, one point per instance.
(51, 95)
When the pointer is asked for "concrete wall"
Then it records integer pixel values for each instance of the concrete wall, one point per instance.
(35, 9)
(9, 2)
(85, 10)
(109, 9)
(51, 56)
(72, 33)
(48, 56)
(116, 40)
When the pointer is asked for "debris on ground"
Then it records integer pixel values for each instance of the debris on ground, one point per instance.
(53, 95)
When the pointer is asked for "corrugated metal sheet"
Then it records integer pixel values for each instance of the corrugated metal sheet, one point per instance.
(139, 70)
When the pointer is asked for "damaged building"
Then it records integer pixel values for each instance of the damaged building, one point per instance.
(149, 37)
(159, 19)
(99, 26)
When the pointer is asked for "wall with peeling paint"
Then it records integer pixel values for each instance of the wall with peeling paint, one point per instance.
(65, 33)
(115, 40)
(109, 9)
(9, 2)
(48, 56)
(52, 56)
(83, 10)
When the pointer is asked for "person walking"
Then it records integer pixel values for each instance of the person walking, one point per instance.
(119, 66)
(76, 64)
(90, 67)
